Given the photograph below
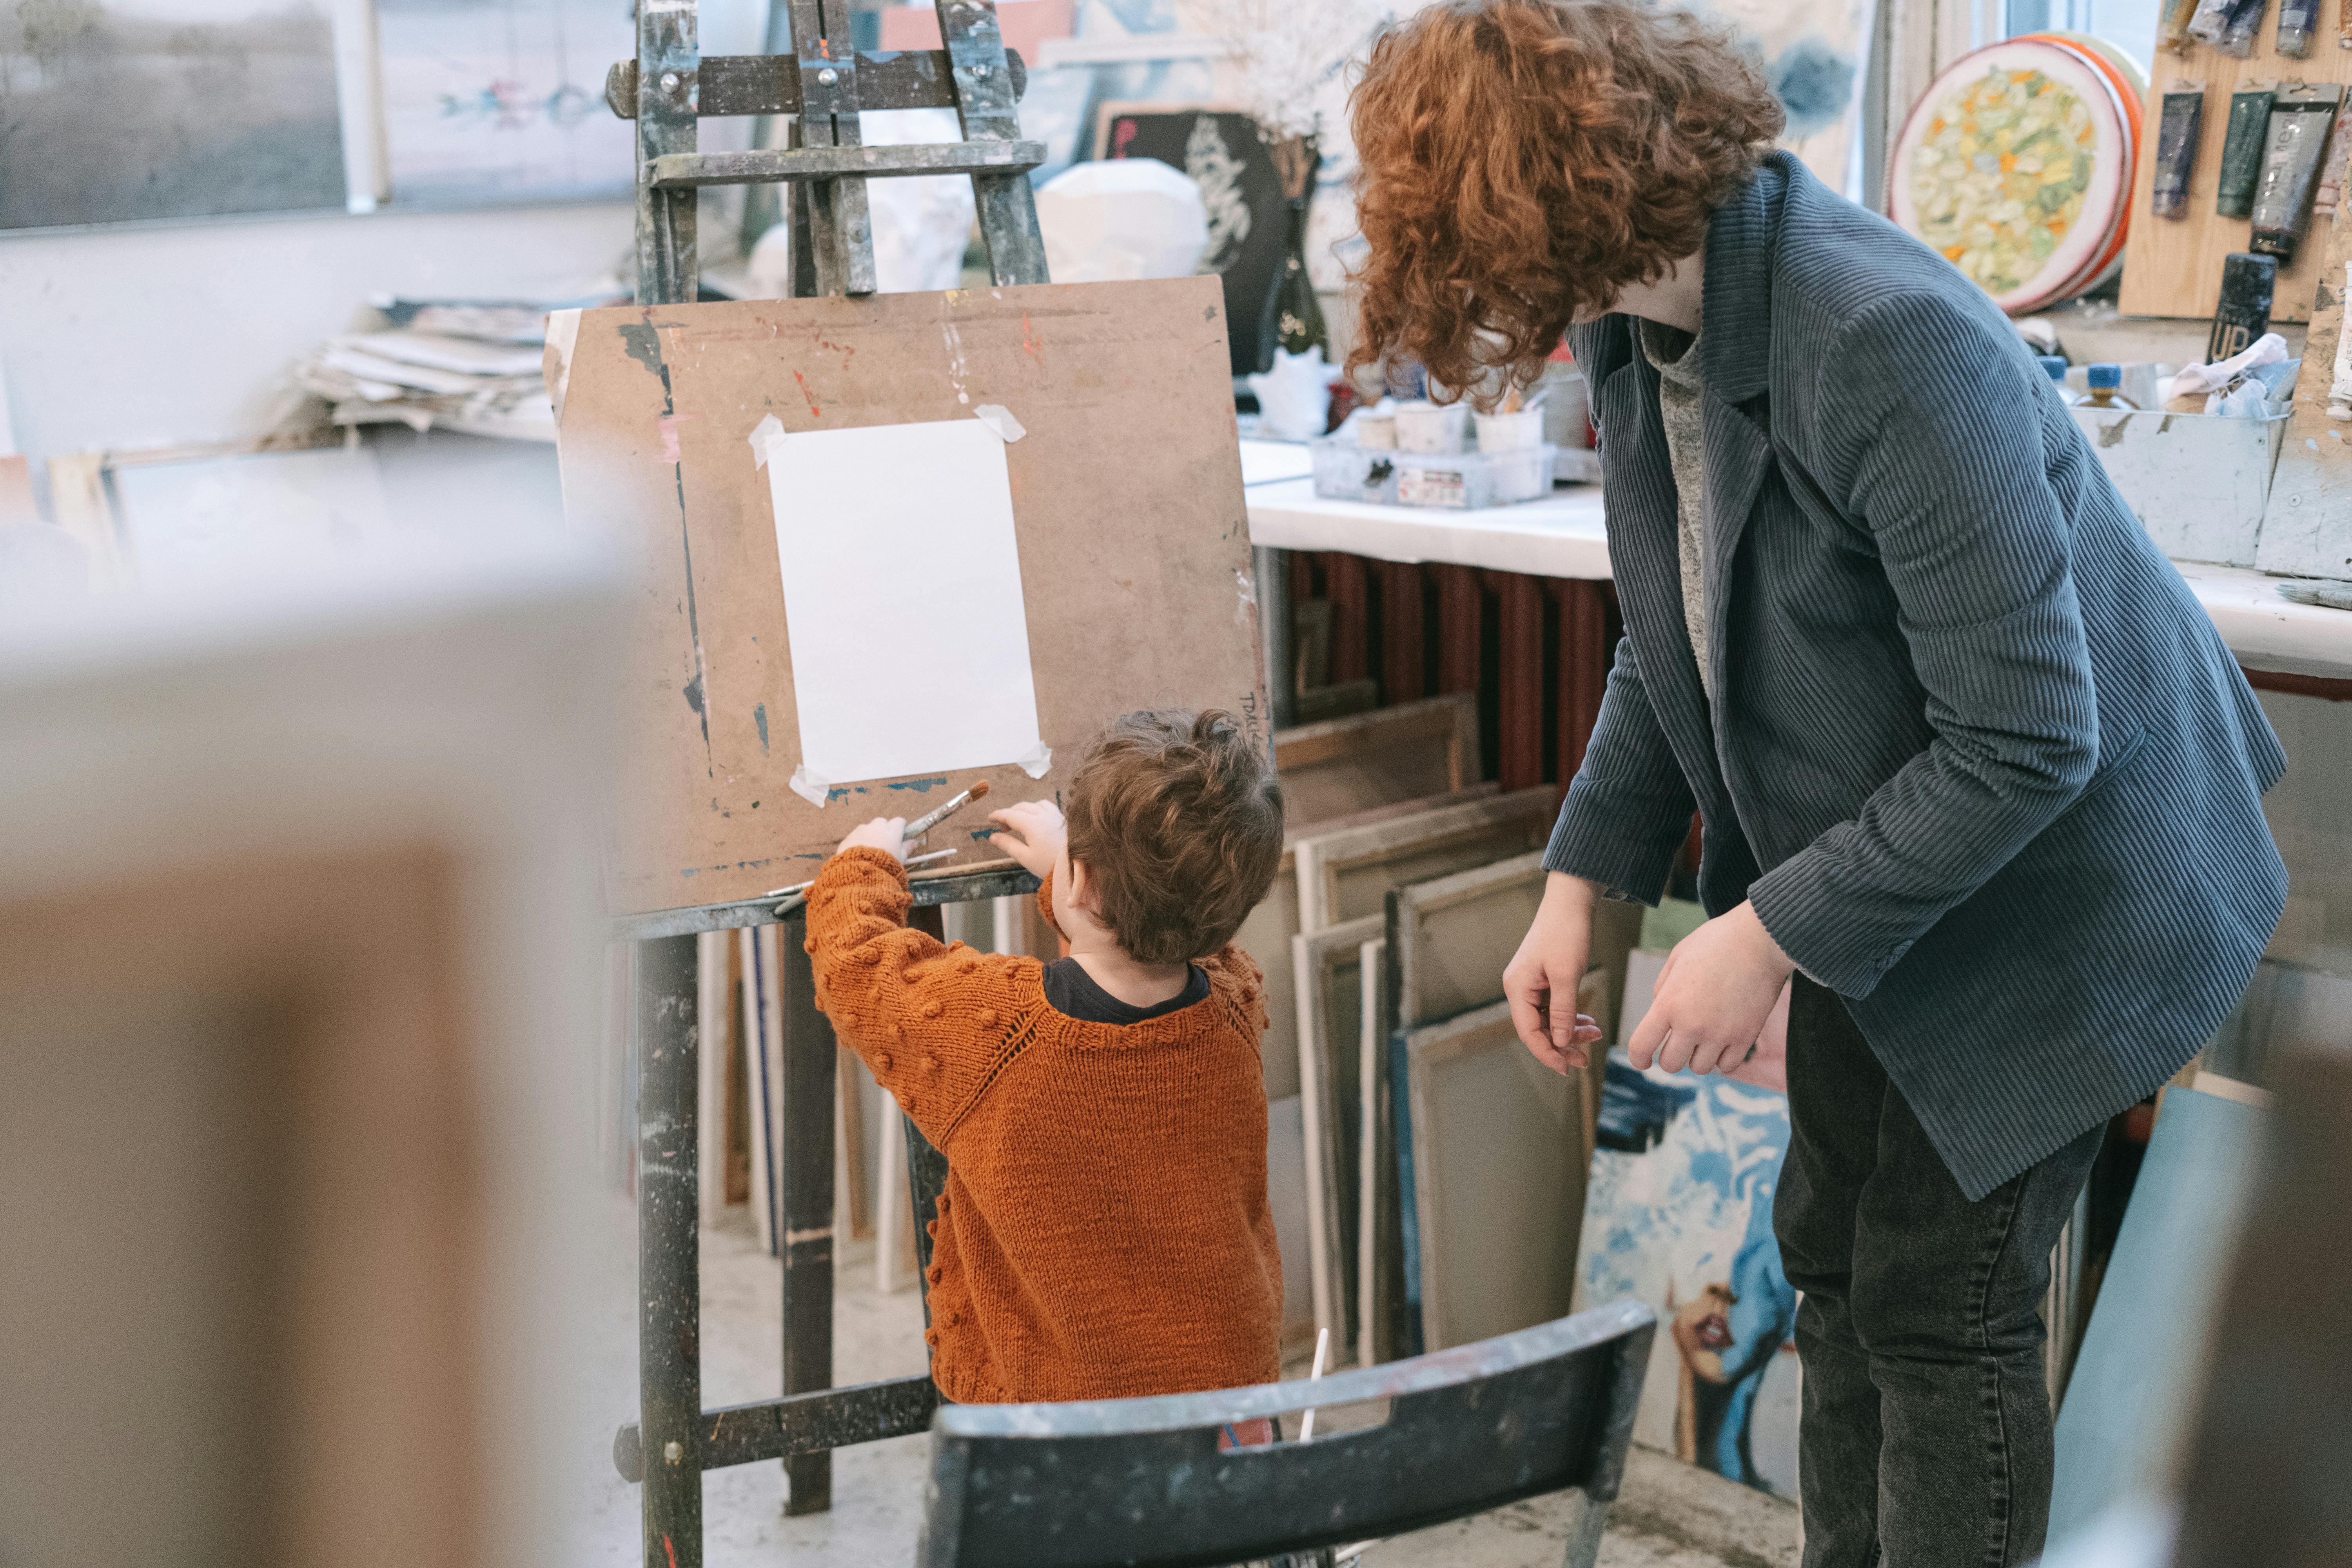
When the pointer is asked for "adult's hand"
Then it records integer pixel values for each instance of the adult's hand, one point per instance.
(1540, 981)
(1714, 995)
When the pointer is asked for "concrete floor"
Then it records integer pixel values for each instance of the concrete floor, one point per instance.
(1668, 1516)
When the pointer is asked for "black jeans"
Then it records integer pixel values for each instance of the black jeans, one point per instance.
(1925, 1434)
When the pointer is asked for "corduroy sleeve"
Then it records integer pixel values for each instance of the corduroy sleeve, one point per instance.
(930, 1020)
(1630, 807)
(1928, 437)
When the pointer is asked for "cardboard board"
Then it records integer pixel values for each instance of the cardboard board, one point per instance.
(1500, 1161)
(1327, 969)
(1342, 766)
(1124, 481)
(1346, 871)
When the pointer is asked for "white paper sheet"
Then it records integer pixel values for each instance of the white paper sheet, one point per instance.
(902, 599)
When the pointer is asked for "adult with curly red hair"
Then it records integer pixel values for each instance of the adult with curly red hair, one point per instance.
(1978, 778)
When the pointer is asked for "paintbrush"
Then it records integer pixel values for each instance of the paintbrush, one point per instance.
(931, 819)
(794, 895)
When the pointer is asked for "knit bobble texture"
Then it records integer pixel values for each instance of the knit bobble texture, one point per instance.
(1044, 1119)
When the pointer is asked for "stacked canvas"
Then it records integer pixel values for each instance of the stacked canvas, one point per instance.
(1395, 847)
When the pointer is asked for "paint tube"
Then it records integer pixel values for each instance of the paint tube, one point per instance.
(2206, 22)
(2300, 121)
(2176, 151)
(2248, 282)
(2172, 26)
(2242, 152)
(2237, 39)
(2297, 20)
(2339, 396)
(2332, 167)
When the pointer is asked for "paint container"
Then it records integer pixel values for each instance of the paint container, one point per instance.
(2207, 18)
(2054, 367)
(2176, 151)
(2241, 153)
(2107, 382)
(1467, 480)
(2172, 26)
(2244, 313)
(1432, 427)
(2297, 20)
(2324, 201)
(2237, 39)
(1567, 406)
(1509, 432)
(2300, 120)
(1345, 471)
(1374, 431)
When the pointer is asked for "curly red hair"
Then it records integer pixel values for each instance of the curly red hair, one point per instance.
(1524, 161)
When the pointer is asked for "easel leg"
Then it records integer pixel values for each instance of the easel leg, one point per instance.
(806, 1223)
(670, 1268)
(926, 1168)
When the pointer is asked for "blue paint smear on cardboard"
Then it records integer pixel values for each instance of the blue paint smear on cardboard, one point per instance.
(923, 786)
(760, 716)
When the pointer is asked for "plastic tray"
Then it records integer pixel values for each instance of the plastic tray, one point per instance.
(1474, 480)
(1461, 481)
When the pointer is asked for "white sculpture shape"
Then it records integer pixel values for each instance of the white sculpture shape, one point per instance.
(1119, 220)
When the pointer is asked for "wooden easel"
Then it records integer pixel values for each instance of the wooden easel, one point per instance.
(820, 89)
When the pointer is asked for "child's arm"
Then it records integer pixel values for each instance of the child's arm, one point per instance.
(930, 1022)
(1032, 832)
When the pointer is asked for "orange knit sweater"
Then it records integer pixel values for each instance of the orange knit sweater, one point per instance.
(1105, 1230)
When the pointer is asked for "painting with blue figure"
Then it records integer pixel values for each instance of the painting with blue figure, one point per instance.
(1814, 53)
(1679, 1214)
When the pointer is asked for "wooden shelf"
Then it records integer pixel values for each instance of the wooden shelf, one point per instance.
(2172, 267)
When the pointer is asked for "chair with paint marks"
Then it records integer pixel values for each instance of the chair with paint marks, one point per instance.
(1144, 1482)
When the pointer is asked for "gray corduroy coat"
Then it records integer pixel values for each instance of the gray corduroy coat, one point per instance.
(1975, 755)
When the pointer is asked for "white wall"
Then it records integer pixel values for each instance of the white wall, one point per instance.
(138, 336)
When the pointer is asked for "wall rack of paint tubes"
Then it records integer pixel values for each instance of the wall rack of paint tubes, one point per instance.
(2246, 154)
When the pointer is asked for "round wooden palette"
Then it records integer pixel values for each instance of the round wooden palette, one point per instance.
(2016, 166)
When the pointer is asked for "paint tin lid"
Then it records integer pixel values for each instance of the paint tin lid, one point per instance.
(2053, 366)
(2106, 377)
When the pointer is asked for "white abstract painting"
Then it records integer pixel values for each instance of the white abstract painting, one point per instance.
(495, 101)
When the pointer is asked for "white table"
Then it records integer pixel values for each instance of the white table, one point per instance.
(1563, 535)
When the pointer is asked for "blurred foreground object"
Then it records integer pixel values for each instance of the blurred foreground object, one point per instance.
(2263, 1476)
(1122, 219)
(298, 977)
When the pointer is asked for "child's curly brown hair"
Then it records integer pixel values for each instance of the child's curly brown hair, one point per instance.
(1523, 161)
(1178, 817)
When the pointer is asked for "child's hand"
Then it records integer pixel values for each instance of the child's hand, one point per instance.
(887, 834)
(1032, 833)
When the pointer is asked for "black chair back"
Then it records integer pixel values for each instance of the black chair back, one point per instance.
(1142, 1482)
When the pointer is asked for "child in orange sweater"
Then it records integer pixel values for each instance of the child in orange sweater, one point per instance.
(1105, 1230)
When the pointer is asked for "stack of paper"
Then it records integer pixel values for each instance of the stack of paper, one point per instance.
(467, 365)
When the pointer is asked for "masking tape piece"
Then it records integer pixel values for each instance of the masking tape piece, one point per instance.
(764, 436)
(999, 418)
(1035, 760)
(810, 787)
